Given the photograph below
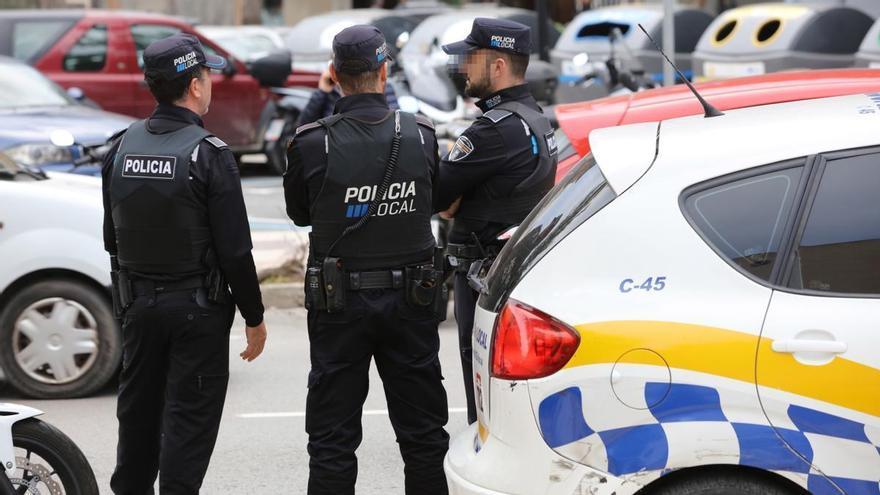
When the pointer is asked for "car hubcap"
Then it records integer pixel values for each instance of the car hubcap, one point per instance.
(55, 340)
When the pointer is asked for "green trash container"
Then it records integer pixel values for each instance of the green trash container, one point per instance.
(772, 37)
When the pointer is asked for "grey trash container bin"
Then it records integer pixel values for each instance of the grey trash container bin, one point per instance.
(763, 38)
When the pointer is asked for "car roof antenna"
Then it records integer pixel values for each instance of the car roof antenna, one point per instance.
(708, 109)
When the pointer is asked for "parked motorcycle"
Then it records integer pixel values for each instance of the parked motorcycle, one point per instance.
(38, 459)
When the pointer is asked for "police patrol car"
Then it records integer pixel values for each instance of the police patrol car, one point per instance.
(694, 309)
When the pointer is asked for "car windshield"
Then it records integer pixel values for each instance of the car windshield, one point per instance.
(246, 46)
(12, 170)
(22, 86)
(582, 193)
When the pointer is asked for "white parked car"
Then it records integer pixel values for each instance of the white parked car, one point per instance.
(58, 336)
(694, 310)
(246, 43)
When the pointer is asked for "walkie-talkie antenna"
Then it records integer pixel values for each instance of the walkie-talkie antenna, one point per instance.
(708, 109)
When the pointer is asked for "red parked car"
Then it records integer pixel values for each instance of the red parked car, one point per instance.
(97, 54)
(577, 120)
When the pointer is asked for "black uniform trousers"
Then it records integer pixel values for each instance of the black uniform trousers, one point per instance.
(380, 324)
(171, 391)
(465, 306)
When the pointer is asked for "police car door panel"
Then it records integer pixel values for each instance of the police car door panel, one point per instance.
(818, 377)
(818, 363)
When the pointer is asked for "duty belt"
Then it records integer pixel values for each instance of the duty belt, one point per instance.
(463, 251)
(386, 279)
(144, 286)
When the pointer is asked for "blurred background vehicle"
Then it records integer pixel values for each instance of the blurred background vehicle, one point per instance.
(588, 41)
(58, 335)
(97, 54)
(311, 39)
(246, 43)
(44, 127)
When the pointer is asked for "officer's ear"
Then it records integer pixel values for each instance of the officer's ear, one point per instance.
(383, 74)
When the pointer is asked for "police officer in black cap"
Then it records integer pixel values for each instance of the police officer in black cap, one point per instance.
(176, 228)
(499, 168)
(363, 179)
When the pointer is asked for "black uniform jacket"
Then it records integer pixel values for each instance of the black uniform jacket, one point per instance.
(215, 180)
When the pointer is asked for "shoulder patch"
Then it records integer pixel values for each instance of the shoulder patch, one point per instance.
(461, 149)
(425, 121)
(497, 115)
(307, 127)
(216, 142)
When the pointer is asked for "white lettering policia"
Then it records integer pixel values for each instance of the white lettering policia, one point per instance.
(398, 199)
(158, 167)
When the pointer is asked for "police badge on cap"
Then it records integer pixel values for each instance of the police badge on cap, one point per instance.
(358, 49)
(177, 55)
(493, 34)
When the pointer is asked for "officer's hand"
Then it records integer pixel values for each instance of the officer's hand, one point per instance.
(451, 211)
(326, 83)
(256, 339)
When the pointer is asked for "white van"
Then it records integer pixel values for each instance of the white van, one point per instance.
(695, 309)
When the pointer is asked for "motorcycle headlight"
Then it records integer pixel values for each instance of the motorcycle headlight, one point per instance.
(36, 155)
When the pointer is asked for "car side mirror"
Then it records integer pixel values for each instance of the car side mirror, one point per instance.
(273, 69)
(401, 40)
(76, 93)
(230, 69)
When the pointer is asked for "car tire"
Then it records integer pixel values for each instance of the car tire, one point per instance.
(724, 482)
(57, 318)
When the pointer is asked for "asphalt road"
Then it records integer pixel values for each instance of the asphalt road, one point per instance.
(263, 194)
(262, 444)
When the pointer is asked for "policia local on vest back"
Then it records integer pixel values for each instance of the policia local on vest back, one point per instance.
(499, 168)
(175, 225)
(363, 179)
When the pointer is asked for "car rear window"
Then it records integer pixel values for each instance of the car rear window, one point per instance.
(743, 217)
(582, 193)
(30, 39)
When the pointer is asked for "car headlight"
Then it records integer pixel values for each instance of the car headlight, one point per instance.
(40, 154)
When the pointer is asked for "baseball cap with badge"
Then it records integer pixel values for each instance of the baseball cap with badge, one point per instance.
(358, 49)
(177, 55)
(494, 34)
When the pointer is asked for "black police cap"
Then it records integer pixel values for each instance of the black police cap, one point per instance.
(495, 34)
(177, 55)
(358, 49)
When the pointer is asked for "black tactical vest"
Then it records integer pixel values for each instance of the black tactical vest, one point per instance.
(161, 226)
(513, 209)
(357, 153)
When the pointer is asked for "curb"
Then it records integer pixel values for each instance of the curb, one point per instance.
(283, 296)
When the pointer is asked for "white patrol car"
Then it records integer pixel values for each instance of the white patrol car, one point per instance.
(695, 309)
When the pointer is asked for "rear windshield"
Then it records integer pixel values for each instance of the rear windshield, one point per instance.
(582, 193)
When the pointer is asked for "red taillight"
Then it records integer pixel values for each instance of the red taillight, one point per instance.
(530, 344)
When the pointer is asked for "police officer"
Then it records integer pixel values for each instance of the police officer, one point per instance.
(176, 229)
(363, 179)
(499, 168)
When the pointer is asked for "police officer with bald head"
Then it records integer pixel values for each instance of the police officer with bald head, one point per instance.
(499, 168)
(177, 232)
(363, 178)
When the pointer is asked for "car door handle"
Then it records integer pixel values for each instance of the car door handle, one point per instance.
(803, 345)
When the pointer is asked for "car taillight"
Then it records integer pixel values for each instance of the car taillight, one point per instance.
(528, 343)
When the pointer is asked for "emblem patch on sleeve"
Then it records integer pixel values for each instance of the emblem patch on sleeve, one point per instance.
(461, 149)
(149, 167)
(550, 138)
